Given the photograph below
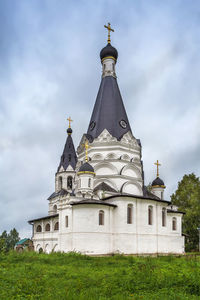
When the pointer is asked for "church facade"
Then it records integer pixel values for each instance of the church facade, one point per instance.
(101, 204)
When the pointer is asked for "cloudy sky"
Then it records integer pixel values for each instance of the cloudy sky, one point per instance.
(50, 69)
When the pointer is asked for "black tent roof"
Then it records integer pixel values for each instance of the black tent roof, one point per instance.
(109, 111)
(69, 156)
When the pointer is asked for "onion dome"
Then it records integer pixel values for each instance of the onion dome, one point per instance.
(69, 131)
(86, 168)
(158, 182)
(109, 51)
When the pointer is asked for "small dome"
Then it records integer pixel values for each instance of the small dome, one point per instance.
(69, 131)
(158, 181)
(108, 51)
(86, 167)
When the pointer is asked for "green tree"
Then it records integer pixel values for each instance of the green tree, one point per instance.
(12, 239)
(8, 241)
(187, 198)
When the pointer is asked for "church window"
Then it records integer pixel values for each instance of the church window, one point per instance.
(164, 216)
(66, 221)
(89, 182)
(47, 227)
(60, 182)
(101, 217)
(129, 214)
(150, 215)
(174, 224)
(69, 182)
(39, 228)
(56, 226)
(55, 209)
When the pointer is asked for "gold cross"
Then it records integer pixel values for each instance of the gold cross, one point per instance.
(157, 164)
(70, 120)
(86, 145)
(109, 30)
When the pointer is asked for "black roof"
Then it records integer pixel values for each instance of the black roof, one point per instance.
(69, 156)
(109, 111)
(139, 197)
(86, 167)
(158, 181)
(42, 218)
(108, 50)
(104, 187)
(92, 201)
(62, 192)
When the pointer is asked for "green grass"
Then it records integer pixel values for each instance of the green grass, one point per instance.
(72, 276)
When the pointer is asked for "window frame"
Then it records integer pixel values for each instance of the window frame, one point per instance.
(101, 218)
(130, 213)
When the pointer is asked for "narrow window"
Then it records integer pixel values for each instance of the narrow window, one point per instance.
(89, 182)
(47, 227)
(162, 195)
(164, 216)
(101, 217)
(39, 228)
(69, 182)
(70, 157)
(60, 182)
(129, 214)
(66, 221)
(174, 223)
(150, 215)
(56, 226)
(55, 209)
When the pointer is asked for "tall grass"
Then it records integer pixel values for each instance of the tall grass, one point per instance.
(73, 276)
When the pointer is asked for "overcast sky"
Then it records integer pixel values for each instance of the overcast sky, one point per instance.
(50, 69)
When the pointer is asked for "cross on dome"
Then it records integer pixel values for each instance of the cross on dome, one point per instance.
(157, 164)
(70, 120)
(86, 146)
(109, 30)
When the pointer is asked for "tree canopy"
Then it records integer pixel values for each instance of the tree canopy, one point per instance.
(187, 198)
(8, 240)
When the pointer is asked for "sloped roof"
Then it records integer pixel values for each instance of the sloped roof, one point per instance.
(104, 187)
(109, 111)
(62, 192)
(92, 201)
(69, 156)
(21, 242)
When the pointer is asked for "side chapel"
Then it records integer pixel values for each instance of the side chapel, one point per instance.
(101, 204)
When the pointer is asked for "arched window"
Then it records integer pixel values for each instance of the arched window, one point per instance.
(129, 214)
(150, 215)
(66, 221)
(60, 183)
(56, 226)
(164, 216)
(55, 209)
(101, 217)
(47, 227)
(69, 182)
(89, 182)
(39, 228)
(174, 223)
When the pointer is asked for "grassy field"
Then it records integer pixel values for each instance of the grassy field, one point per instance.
(73, 276)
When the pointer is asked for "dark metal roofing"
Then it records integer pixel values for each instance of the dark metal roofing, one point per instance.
(88, 201)
(108, 50)
(148, 194)
(104, 187)
(175, 211)
(62, 192)
(109, 111)
(135, 196)
(69, 156)
(86, 167)
(158, 181)
(42, 218)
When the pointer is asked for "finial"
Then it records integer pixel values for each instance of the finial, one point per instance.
(157, 164)
(86, 145)
(70, 120)
(109, 30)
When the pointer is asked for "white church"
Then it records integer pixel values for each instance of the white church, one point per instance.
(100, 205)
